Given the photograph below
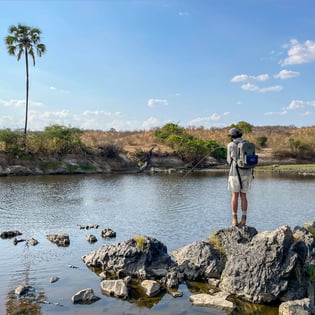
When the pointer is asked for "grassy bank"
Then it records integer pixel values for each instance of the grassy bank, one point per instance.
(293, 168)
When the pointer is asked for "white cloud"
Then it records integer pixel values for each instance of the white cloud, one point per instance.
(183, 13)
(255, 88)
(152, 102)
(150, 123)
(204, 121)
(295, 104)
(286, 74)
(249, 87)
(275, 88)
(100, 113)
(52, 115)
(240, 78)
(52, 88)
(306, 113)
(299, 53)
(19, 103)
(284, 112)
(247, 78)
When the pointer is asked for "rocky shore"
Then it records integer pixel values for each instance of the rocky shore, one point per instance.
(236, 263)
(275, 267)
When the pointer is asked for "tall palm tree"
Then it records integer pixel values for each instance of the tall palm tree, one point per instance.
(23, 39)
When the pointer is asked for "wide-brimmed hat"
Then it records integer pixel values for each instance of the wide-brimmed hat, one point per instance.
(234, 132)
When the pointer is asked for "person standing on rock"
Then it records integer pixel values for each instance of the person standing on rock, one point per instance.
(239, 180)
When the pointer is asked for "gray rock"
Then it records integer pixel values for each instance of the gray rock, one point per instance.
(108, 233)
(53, 279)
(260, 270)
(24, 290)
(134, 261)
(116, 288)
(32, 241)
(91, 238)
(10, 234)
(297, 307)
(218, 300)
(233, 238)
(173, 279)
(85, 296)
(60, 239)
(18, 170)
(175, 293)
(151, 287)
(199, 261)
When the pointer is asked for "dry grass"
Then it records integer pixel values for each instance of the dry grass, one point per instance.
(133, 141)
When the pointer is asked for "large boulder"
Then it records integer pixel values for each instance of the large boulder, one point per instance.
(266, 269)
(199, 261)
(140, 258)
(233, 239)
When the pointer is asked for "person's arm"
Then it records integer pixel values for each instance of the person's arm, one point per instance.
(228, 154)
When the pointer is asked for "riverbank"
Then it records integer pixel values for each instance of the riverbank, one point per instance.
(94, 162)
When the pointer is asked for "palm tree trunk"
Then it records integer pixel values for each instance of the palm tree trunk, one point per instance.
(311, 292)
(27, 89)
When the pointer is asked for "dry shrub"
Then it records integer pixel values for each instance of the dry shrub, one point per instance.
(277, 138)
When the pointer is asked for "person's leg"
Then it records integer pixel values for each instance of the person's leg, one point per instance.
(244, 208)
(234, 204)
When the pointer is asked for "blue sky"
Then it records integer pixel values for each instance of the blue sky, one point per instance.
(139, 64)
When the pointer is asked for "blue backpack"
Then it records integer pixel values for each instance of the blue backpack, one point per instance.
(246, 156)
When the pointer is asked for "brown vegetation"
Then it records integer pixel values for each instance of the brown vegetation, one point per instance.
(282, 141)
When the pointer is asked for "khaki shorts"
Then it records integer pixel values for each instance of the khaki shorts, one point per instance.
(234, 183)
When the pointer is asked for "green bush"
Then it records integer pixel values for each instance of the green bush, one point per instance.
(243, 126)
(62, 140)
(12, 140)
(167, 130)
(262, 141)
(188, 147)
(300, 150)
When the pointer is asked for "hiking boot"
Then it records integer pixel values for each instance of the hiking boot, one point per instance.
(234, 220)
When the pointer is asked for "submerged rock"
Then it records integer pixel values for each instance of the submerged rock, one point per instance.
(218, 300)
(85, 296)
(297, 307)
(25, 290)
(151, 287)
(91, 238)
(108, 233)
(10, 234)
(117, 288)
(53, 279)
(60, 239)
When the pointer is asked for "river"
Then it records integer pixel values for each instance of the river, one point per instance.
(174, 208)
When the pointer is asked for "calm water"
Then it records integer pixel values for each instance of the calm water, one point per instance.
(175, 209)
